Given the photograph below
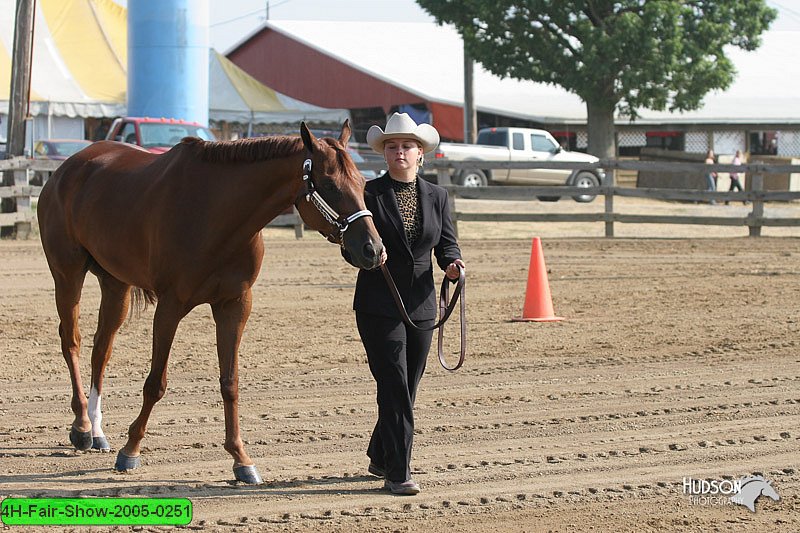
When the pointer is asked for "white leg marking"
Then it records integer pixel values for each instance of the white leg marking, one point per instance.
(95, 414)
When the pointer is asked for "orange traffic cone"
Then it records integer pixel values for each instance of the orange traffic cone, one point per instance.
(538, 303)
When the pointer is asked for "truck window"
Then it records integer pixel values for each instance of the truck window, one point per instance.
(169, 134)
(162, 134)
(203, 133)
(518, 140)
(540, 143)
(493, 138)
(128, 133)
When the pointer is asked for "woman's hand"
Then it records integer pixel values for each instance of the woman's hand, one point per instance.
(452, 269)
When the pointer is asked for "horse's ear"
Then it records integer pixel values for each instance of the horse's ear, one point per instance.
(308, 138)
(346, 131)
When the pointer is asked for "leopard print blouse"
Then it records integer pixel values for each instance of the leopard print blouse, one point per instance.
(407, 195)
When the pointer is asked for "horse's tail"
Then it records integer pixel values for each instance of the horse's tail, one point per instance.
(140, 300)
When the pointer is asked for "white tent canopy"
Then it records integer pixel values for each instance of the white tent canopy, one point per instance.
(77, 70)
(235, 96)
(80, 70)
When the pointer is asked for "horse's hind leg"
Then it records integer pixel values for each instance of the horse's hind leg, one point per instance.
(231, 316)
(114, 305)
(169, 312)
(69, 271)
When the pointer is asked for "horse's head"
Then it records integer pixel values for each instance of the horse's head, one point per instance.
(769, 491)
(751, 488)
(333, 199)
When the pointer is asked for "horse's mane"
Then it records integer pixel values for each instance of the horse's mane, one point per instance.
(244, 150)
(262, 148)
(748, 479)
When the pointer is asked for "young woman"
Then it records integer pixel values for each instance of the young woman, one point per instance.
(736, 185)
(711, 177)
(413, 219)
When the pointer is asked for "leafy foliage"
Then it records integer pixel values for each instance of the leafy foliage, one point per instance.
(625, 54)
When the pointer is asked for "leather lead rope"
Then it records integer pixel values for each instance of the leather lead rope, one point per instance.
(445, 310)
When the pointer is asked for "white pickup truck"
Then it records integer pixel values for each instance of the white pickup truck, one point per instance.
(519, 144)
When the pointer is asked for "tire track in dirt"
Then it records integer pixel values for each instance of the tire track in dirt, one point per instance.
(678, 358)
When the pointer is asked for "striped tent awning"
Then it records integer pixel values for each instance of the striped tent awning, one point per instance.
(80, 69)
(79, 57)
(238, 97)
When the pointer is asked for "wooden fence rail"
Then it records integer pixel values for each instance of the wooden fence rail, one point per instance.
(757, 196)
(23, 171)
(17, 174)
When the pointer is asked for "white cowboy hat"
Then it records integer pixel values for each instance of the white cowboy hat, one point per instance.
(402, 126)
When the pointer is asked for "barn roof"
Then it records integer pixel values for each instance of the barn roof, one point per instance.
(762, 92)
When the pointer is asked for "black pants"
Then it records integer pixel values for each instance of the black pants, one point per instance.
(396, 356)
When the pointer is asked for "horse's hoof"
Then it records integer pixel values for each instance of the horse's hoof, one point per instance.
(247, 474)
(82, 440)
(101, 443)
(125, 463)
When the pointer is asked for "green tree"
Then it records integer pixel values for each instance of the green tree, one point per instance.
(619, 55)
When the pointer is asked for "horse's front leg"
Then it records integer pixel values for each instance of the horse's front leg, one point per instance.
(168, 314)
(231, 316)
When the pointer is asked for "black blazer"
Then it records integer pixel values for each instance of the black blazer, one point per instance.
(411, 267)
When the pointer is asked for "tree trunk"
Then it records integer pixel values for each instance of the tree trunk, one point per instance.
(601, 130)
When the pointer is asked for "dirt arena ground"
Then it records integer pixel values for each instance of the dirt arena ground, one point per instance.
(679, 357)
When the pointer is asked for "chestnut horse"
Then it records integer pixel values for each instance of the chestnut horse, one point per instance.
(184, 229)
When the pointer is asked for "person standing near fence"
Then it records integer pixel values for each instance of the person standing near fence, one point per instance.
(711, 176)
(735, 184)
(413, 219)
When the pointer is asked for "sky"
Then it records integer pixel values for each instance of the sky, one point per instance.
(232, 20)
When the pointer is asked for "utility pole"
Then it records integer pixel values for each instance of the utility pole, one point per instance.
(470, 116)
(20, 78)
(18, 110)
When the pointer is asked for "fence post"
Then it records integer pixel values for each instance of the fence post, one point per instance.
(609, 194)
(23, 227)
(443, 176)
(758, 205)
(298, 224)
(451, 202)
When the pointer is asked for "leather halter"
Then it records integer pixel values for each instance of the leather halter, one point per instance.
(341, 223)
(445, 310)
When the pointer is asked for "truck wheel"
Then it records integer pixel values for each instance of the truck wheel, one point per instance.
(586, 180)
(472, 178)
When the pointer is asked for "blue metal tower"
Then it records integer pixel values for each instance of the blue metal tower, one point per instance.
(168, 59)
